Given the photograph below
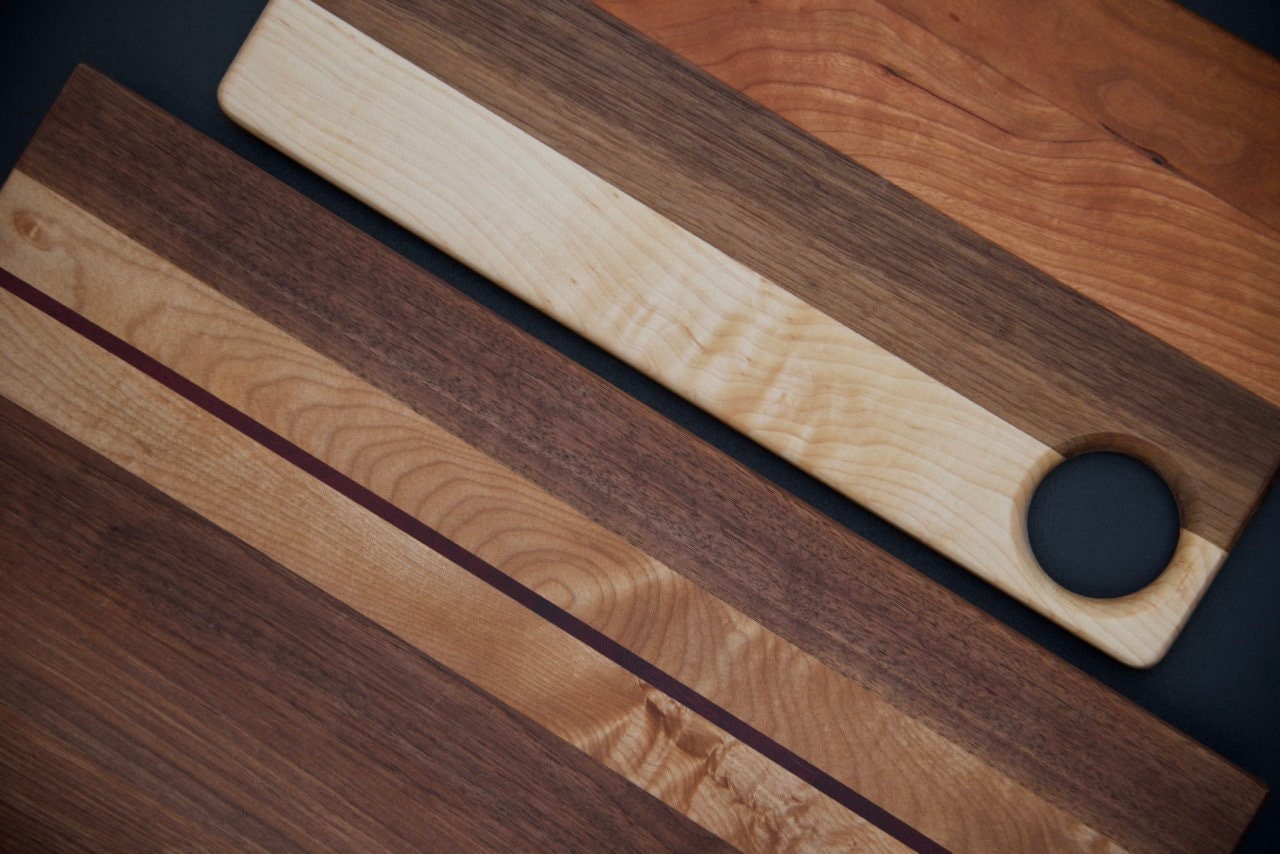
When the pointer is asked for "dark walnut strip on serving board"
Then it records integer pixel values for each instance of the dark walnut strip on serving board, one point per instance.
(596, 570)
(919, 369)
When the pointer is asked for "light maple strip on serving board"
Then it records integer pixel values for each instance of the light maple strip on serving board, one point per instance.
(1053, 189)
(917, 694)
(809, 387)
(878, 751)
(1150, 72)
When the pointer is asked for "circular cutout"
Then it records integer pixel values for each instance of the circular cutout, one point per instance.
(1103, 524)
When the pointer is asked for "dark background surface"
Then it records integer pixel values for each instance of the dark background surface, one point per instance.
(1221, 681)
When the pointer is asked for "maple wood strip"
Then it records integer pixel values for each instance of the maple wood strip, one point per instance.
(166, 686)
(1150, 72)
(1057, 192)
(1016, 342)
(811, 389)
(368, 563)
(780, 562)
(512, 525)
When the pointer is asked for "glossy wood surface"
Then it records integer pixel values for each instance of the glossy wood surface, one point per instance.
(924, 100)
(922, 373)
(283, 312)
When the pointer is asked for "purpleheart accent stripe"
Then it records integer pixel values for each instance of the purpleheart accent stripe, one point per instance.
(428, 536)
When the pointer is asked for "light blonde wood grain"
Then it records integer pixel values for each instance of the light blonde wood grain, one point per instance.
(504, 648)
(1056, 190)
(841, 727)
(807, 387)
(1150, 72)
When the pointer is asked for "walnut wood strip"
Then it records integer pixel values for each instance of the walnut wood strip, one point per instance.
(784, 565)
(510, 524)
(1067, 197)
(807, 386)
(422, 596)
(1178, 89)
(166, 686)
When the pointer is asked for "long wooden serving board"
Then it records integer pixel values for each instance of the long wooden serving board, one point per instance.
(843, 324)
(1084, 175)
(280, 436)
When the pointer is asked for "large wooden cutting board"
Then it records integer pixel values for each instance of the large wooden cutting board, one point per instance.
(279, 434)
(843, 324)
(1127, 149)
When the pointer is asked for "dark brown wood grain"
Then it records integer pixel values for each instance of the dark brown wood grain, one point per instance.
(782, 563)
(162, 685)
(1003, 334)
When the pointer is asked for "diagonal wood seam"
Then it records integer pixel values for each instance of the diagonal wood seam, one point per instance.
(51, 319)
(685, 313)
(507, 521)
(1072, 200)
(504, 648)
(163, 681)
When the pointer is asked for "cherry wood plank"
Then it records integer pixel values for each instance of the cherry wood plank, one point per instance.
(1090, 210)
(1190, 96)
(767, 359)
(1047, 727)
(164, 685)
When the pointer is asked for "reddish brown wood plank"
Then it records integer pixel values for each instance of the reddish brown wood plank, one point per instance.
(1183, 92)
(703, 515)
(166, 685)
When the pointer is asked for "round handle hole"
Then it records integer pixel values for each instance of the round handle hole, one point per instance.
(1103, 524)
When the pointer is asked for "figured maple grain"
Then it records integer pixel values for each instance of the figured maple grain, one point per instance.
(1154, 75)
(164, 686)
(804, 384)
(370, 565)
(877, 750)
(1053, 189)
(1006, 701)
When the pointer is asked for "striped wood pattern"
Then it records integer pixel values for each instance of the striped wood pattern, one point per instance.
(485, 508)
(418, 594)
(1151, 73)
(1068, 197)
(921, 372)
(241, 290)
(164, 686)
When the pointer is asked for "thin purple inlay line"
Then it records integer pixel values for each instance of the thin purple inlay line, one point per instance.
(433, 539)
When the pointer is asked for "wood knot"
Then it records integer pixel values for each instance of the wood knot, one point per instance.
(29, 228)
